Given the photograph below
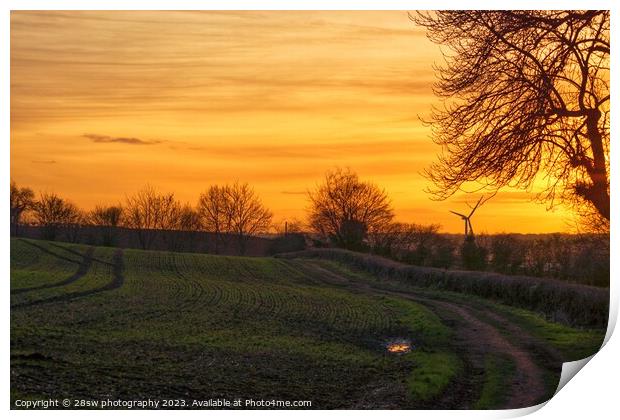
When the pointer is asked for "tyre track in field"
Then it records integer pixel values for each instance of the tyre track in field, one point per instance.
(476, 337)
(552, 357)
(83, 267)
(116, 282)
(527, 385)
(50, 252)
(79, 254)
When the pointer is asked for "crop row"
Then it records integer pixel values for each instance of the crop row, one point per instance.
(212, 291)
(238, 288)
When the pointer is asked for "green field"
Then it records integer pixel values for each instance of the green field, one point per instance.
(104, 323)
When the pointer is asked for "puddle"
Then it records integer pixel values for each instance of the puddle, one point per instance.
(398, 346)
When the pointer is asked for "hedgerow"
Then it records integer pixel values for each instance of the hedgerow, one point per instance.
(566, 303)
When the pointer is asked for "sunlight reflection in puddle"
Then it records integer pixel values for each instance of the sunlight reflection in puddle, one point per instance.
(398, 346)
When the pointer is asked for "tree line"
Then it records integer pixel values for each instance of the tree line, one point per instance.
(232, 209)
(344, 211)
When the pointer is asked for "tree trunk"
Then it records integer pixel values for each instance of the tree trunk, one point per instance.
(598, 193)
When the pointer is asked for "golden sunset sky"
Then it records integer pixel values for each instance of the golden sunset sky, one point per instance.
(105, 102)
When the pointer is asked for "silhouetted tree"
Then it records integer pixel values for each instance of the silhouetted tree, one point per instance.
(190, 223)
(106, 215)
(345, 209)
(214, 214)
(73, 229)
(169, 223)
(53, 212)
(189, 219)
(473, 255)
(526, 92)
(247, 214)
(233, 209)
(109, 218)
(180, 225)
(148, 211)
(22, 200)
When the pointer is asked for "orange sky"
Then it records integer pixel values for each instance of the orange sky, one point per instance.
(104, 102)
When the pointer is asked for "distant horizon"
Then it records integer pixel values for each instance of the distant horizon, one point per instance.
(302, 216)
(104, 102)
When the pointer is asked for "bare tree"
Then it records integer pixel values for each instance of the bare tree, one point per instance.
(106, 215)
(345, 209)
(108, 218)
(190, 224)
(215, 216)
(148, 211)
(171, 210)
(22, 200)
(247, 214)
(525, 92)
(189, 219)
(74, 226)
(53, 212)
(179, 225)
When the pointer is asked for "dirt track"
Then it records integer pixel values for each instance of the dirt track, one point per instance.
(479, 332)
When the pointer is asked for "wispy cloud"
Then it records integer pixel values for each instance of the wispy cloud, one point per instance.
(178, 63)
(44, 162)
(99, 138)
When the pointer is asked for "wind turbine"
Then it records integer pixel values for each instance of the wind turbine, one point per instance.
(469, 230)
